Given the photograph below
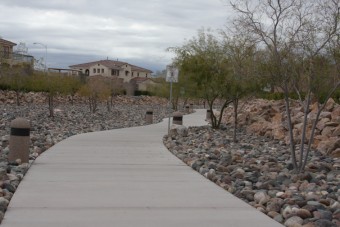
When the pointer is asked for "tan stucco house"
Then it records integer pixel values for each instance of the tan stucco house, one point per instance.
(6, 48)
(110, 68)
(8, 56)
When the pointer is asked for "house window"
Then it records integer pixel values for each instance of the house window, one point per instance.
(126, 73)
(132, 74)
(138, 74)
(102, 70)
(114, 72)
(94, 71)
(98, 70)
(6, 51)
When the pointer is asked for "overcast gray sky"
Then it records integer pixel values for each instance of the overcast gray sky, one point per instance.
(79, 31)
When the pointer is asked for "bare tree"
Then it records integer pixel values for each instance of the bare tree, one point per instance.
(292, 31)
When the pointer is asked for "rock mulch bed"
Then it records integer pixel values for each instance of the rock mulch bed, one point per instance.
(69, 120)
(258, 170)
(268, 118)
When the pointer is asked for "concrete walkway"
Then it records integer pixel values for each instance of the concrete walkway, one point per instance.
(123, 178)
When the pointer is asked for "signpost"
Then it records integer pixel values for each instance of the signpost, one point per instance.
(172, 77)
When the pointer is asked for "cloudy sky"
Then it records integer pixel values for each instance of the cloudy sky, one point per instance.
(79, 31)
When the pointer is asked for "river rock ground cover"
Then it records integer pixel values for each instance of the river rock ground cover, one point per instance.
(258, 170)
(69, 120)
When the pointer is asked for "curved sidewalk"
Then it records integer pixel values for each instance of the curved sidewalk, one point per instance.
(123, 178)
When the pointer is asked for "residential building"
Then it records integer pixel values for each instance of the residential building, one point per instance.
(7, 55)
(110, 68)
(142, 84)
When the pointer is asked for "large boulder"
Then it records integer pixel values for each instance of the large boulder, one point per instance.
(259, 127)
(330, 105)
(335, 153)
(178, 130)
(322, 123)
(336, 114)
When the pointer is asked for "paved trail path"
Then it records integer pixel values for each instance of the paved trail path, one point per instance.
(123, 178)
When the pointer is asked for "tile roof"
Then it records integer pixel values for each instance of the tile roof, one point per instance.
(108, 63)
(139, 79)
(111, 64)
(140, 69)
(7, 43)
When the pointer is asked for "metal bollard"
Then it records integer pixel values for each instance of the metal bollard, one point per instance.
(19, 140)
(191, 108)
(149, 117)
(208, 115)
(177, 118)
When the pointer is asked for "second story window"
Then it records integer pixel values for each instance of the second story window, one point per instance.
(94, 70)
(102, 70)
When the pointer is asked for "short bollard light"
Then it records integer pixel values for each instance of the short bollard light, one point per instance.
(19, 140)
(208, 115)
(149, 117)
(187, 109)
(191, 108)
(177, 118)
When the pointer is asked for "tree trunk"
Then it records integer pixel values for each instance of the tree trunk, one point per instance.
(304, 128)
(90, 105)
(72, 99)
(108, 106)
(50, 105)
(290, 127)
(94, 104)
(235, 103)
(18, 97)
(185, 102)
(212, 115)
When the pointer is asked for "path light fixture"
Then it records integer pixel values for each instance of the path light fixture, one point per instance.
(172, 77)
(45, 46)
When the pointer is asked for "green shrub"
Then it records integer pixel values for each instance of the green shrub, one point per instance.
(139, 93)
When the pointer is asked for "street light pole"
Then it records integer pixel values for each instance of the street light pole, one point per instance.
(45, 46)
(172, 77)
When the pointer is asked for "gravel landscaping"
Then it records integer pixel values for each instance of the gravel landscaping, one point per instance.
(258, 170)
